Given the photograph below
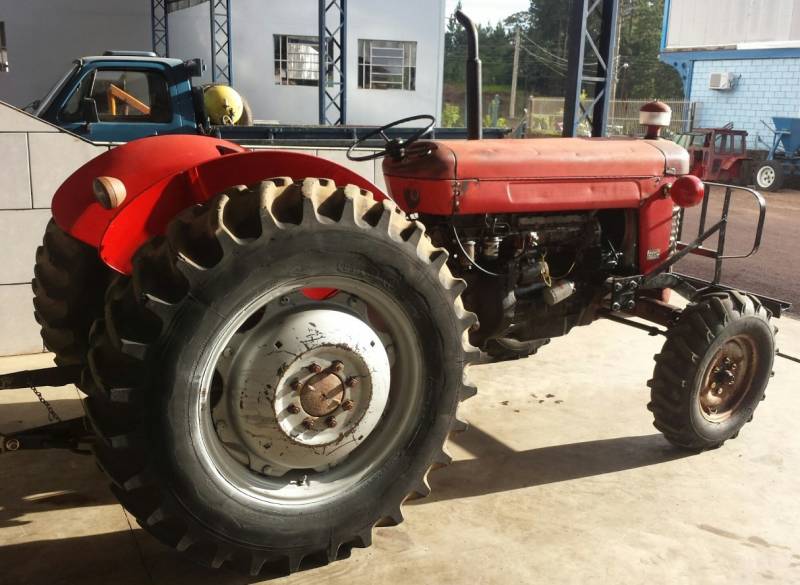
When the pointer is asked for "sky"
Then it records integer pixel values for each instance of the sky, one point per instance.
(489, 10)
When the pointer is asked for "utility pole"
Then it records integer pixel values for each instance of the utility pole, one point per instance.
(513, 105)
(619, 69)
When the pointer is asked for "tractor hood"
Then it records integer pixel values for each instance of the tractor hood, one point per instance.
(540, 158)
(532, 175)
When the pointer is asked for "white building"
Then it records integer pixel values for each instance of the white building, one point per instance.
(739, 61)
(395, 50)
(44, 36)
(275, 56)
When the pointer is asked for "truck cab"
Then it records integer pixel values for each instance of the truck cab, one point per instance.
(122, 96)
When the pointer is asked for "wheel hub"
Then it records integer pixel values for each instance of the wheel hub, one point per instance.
(322, 394)
(302, 389)
(727, 379)
(766, 176)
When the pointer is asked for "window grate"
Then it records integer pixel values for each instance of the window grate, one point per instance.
(387, 64)
(297, 60)
(175, 5)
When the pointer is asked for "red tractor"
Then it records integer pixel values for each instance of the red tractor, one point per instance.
(273, 363)
(718, 154)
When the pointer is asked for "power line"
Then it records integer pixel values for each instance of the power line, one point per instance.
(541, 48)
(543, 61)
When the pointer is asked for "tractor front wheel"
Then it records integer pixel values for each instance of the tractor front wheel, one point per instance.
(279, 374)
(713, 370)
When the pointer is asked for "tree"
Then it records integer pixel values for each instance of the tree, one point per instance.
(545, 50)
(640, 40)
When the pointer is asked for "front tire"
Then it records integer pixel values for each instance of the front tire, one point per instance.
(212, 356)
(713, 370)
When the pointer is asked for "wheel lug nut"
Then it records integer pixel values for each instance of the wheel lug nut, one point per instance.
(331, 422)
(348, 405)
(338, 366)
(315, 368)
(295, 384)
(293, 408)
(308, 423)
(351, 382)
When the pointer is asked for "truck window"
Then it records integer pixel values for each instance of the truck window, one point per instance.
(737, 143)
(121, 96)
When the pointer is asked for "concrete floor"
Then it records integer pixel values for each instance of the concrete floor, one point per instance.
(561, 479)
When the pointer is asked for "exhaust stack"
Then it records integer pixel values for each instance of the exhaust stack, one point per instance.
(474, 82)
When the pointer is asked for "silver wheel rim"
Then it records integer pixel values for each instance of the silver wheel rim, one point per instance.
(393, 399)
(765, 177)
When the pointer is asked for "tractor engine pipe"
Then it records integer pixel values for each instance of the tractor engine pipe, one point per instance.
(474, 82)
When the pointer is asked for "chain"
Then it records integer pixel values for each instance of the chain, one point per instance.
(52, 415)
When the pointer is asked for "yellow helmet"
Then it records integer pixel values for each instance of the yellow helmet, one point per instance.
(223, 104)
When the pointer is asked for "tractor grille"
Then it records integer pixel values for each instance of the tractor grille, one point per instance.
(676, 229)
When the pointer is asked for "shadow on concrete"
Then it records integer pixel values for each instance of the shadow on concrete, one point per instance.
(41, 481)
(128, 557)
(89, 560)
(498, 468)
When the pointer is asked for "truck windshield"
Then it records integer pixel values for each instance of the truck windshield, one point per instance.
(45, 101)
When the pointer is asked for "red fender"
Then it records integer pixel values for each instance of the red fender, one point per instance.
(164, 175)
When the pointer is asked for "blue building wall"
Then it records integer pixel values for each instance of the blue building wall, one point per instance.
(766, 88)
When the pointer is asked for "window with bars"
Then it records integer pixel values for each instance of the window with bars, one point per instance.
(175, 5)
(297, 60)
(4, 66)
(387, 64)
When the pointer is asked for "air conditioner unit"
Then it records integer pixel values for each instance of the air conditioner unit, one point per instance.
(722, 81)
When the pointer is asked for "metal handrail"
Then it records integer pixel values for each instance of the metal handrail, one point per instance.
(718, 255)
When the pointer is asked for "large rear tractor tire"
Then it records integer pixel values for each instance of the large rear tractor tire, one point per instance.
(279, 374)
(69, 284)
(713, 370)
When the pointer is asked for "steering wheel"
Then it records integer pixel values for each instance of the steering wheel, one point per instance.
(394, 147)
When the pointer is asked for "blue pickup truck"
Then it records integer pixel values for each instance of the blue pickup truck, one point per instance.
(122, 96)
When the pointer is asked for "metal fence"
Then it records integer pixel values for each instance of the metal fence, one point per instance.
(546, 116)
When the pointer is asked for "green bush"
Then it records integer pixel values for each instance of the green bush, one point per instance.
(451, 116)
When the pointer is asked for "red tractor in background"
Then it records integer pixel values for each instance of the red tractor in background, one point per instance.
(718, 154)
(273, 363)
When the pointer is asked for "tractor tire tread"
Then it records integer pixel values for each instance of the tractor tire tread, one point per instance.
(68, 286)
(138, 310)
(678, 362)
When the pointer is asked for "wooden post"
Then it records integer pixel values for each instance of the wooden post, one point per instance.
(512, 107)
(530, 113)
